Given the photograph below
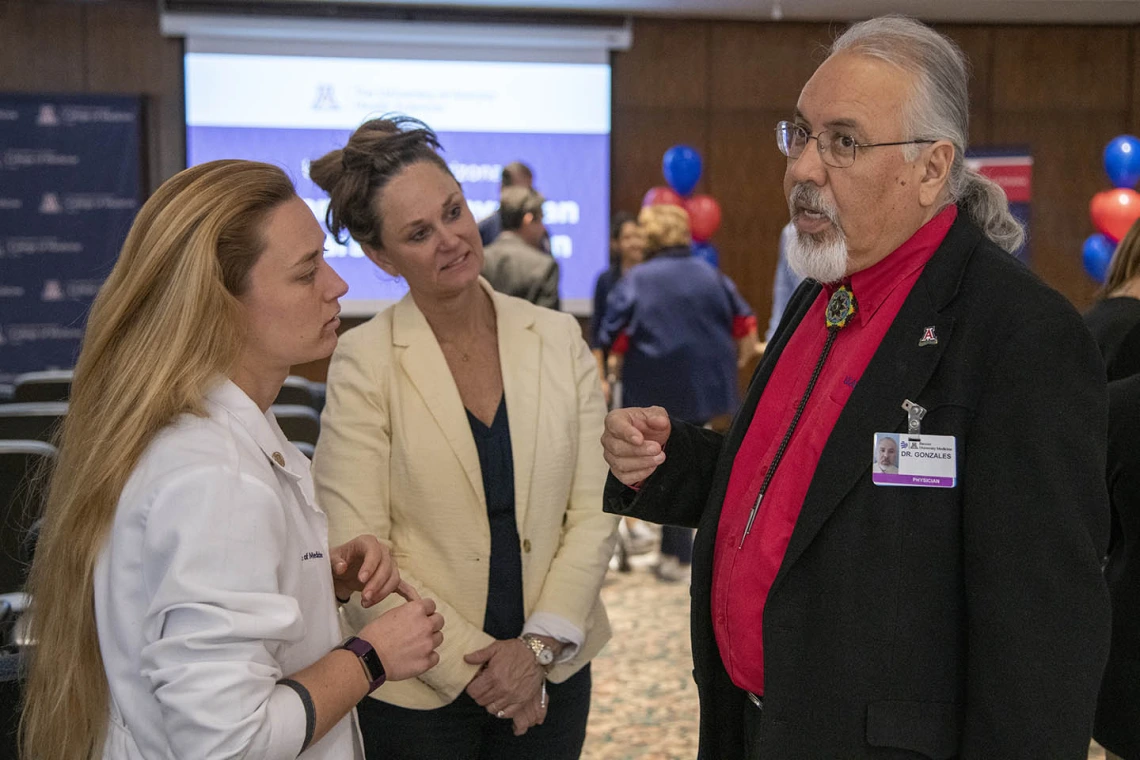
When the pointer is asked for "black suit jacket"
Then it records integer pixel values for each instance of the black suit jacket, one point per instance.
(970, 622)
(1118, 710)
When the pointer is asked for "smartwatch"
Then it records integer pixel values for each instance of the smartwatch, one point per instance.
(373, 668)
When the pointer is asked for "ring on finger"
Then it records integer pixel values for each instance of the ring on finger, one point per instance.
(499, 714)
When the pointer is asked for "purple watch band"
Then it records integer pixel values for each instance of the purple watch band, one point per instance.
(372, 665)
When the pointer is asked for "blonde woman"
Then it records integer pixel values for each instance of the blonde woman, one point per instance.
(462, 427)
(183, 587)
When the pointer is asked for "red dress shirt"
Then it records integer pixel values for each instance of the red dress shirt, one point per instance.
(742, 577)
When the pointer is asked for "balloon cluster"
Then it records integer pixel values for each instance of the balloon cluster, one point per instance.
(681, 166)
(1114, 211)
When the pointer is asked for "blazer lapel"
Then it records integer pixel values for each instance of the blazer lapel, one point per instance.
(520, 353)
(899, 370)
(424, 364)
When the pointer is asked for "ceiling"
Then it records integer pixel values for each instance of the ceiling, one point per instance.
(1020, 11)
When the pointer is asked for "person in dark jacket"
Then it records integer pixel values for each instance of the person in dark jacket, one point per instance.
(835, 612)
(1114, 320)
(627, 248)
(1117, 726)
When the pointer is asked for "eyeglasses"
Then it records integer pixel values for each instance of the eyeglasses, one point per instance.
(835, 148)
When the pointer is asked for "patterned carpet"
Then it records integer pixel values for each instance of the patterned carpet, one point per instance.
(645, 703)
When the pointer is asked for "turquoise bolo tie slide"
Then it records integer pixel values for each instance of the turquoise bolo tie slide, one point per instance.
(840, 308)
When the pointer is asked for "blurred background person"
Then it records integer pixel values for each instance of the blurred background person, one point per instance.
(784, 283)
(462, 427)
(1114, 320)
(515, 174)
(627, 248)
(514, 263)
(679, 326)
(183, 598)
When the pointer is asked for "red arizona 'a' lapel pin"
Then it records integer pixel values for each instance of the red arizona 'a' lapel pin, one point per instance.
(928, 337)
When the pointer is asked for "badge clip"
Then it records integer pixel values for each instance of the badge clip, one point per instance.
(914, 415)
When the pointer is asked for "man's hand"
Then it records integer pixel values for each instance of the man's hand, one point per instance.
(634, 442)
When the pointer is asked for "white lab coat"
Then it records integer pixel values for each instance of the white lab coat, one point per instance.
(215, 583)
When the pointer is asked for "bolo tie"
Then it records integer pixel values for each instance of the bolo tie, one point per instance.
(840, 309)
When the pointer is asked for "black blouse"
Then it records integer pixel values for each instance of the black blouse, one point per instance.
(505, 615)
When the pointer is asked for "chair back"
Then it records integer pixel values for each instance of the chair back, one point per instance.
(296, 391)
(52, 385)
(31, 421)
(298, 423)
(20, 506)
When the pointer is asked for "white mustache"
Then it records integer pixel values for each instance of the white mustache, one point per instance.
(807, 196)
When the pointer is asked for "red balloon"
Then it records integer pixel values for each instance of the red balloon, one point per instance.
(1114, 211)
(704, 216)
(662, 196)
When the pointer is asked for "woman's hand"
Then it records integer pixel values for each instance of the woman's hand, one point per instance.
(406, 637)
(510, 682)
(532, 714)
(365, 565)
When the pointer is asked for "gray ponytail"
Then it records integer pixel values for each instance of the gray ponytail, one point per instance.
(938, 110)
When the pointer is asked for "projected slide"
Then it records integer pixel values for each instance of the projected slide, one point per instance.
(287, 110)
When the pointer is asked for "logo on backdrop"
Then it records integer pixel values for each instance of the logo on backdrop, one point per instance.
(47, 116)
(326, 98)
(50, 204)
(52, 291)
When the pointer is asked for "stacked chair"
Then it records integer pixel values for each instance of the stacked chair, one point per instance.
(53, 385)
(23, 472)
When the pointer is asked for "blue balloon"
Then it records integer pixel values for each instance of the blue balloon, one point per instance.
(1122, 161)
(681, 166)
(707, 252)
(1095, 254)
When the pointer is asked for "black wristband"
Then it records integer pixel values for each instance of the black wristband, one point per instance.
(342, 601)
(310, 710)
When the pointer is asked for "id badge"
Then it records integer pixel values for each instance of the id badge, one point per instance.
(928, 461)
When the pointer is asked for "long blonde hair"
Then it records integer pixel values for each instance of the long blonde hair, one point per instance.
(164, 326)
(1125, 262)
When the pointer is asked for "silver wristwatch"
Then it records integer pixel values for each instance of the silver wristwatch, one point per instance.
(543, 654)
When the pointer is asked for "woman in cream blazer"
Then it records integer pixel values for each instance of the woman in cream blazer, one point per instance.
(409, 395)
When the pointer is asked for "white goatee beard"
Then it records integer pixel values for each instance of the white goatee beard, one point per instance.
(822, 257)
(822, 260)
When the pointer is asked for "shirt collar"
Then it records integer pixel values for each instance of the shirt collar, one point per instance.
(872, 285)
(261, 426)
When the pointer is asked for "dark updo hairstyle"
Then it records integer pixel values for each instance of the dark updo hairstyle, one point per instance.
(378, 150)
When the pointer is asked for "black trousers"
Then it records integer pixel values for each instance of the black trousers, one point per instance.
(463, 730)
(677, 542)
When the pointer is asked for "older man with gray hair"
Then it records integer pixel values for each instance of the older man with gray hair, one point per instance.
(954, 608)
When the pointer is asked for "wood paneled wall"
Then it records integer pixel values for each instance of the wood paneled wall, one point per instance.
(108, 47)
(719, 86)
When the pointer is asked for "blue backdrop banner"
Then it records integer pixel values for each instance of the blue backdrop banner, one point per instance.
(70, 184)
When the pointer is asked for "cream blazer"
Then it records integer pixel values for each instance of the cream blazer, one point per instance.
(397, 459)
